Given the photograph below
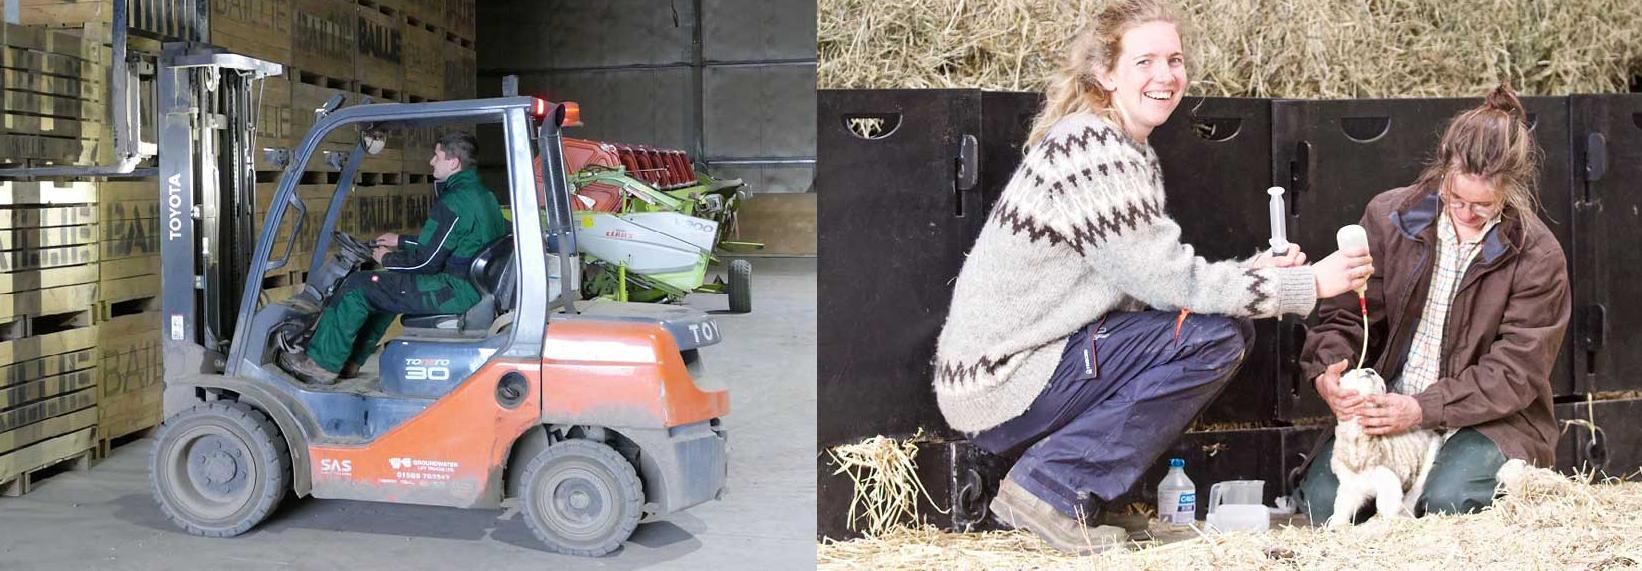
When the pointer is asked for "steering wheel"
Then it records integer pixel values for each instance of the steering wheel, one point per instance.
(356, 251)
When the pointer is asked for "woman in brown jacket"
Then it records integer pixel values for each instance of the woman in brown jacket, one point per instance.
(1467, 310)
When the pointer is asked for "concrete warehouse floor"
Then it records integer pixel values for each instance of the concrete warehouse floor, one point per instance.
(105, 518)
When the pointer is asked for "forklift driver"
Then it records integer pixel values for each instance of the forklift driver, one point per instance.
(421, 275)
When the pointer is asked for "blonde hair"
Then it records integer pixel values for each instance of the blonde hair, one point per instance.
(1491, 141)
(1075, 87)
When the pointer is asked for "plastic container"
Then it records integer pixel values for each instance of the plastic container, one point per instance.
(1230, 518)
(1176, 497)
(1236, 492)
(1236, 505)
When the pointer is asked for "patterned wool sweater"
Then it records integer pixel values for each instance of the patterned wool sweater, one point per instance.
(1079, 231)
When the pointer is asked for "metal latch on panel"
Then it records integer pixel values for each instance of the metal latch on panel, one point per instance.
(1596, 157)
(968, 165)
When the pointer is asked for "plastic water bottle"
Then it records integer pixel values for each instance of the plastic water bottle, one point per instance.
(1176, 497)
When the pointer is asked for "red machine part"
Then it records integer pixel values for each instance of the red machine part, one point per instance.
(662, 168)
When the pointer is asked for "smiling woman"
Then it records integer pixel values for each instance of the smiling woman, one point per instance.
(1127, 66)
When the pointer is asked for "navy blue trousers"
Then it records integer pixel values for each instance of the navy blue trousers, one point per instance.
(1107, 415)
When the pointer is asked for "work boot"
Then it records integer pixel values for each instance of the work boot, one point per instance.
(1018, 508)
(305, 369)
(350, 370)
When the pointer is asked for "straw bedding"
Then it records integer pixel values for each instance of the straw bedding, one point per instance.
(1315, 49)
(1544, 521)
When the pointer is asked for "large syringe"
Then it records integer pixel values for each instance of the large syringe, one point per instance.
(1279, 226)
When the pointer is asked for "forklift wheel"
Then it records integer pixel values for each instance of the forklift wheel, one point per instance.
(219, 469)
(582, 498)
(740, 287)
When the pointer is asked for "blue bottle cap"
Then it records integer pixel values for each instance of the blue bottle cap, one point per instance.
(1177, 463)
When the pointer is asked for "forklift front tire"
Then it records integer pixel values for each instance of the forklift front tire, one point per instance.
(219, 468)
(582, 498)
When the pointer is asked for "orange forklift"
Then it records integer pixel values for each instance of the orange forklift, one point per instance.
(593, 415)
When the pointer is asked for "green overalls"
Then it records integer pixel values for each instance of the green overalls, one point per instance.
(427, 275)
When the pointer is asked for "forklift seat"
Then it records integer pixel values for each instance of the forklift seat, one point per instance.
(492, 273)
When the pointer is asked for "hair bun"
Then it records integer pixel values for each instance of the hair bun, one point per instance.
(1503, 99)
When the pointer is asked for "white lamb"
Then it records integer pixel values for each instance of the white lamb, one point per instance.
(1389, 469)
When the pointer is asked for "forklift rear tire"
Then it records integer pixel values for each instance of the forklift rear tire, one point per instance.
(740, 286)
(219, 469)
(582, 498)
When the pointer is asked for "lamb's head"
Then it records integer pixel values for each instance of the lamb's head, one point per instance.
(1362, 381)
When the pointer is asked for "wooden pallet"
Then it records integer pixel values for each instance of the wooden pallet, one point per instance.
(23, 469)
(107, 444)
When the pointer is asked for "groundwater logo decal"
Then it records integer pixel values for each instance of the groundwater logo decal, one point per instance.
(420, 472)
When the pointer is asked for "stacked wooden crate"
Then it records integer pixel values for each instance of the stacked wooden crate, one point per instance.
(48, 336)
(128, 308)
(50, 85)
(171, 19)
(95, 366)
(53, 105)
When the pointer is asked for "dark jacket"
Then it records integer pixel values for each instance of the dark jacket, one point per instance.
(1502, 334)
(463, 220)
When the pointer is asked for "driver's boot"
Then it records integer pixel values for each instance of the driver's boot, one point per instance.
(305, 369)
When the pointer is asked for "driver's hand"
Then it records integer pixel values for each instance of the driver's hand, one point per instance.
(390, 240)
(380, 252)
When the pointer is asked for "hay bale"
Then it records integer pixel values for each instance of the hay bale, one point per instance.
(1545, 521)
(1321, 49)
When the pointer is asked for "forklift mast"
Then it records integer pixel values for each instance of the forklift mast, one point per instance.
(207, 134)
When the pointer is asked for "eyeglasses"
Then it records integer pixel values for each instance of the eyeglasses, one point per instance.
(1482, 209)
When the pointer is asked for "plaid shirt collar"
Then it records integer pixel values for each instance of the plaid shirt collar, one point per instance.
(1449, 237)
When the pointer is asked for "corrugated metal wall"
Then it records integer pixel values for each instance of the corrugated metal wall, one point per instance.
(730, 81)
